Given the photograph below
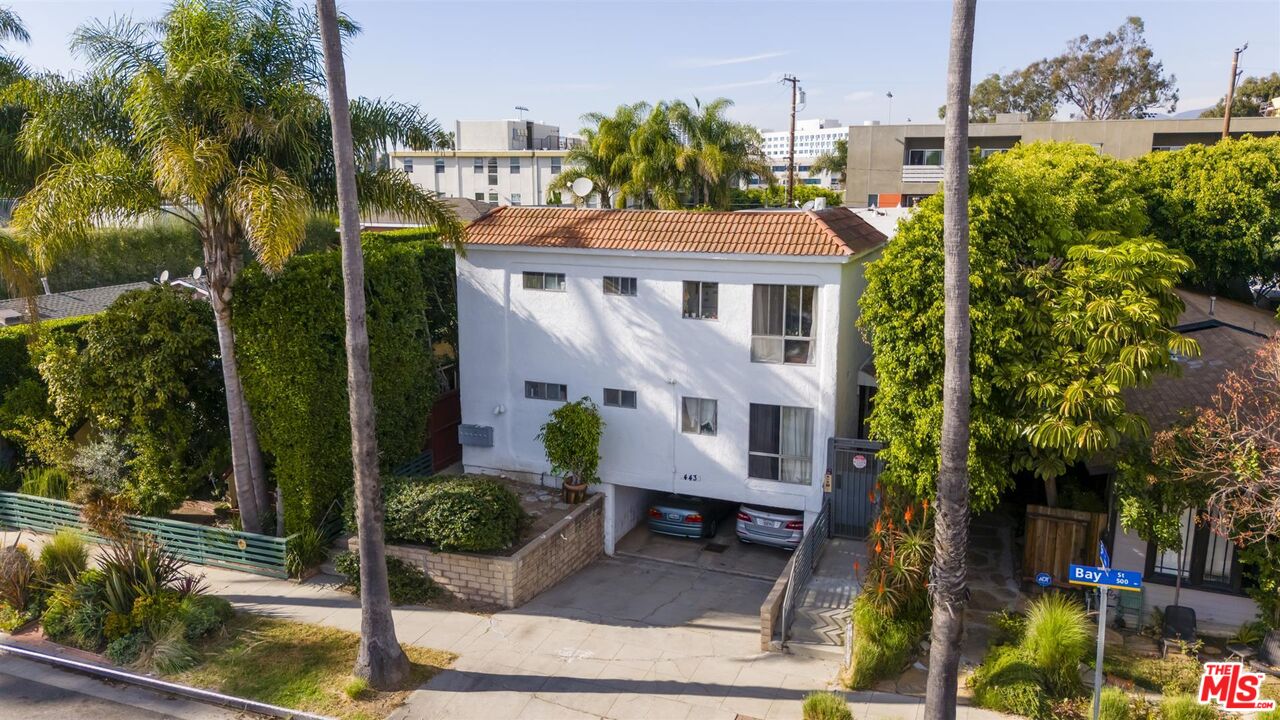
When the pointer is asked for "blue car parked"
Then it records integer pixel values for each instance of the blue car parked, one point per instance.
(687, 516)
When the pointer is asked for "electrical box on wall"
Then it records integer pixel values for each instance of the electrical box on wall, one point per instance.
(475, 435)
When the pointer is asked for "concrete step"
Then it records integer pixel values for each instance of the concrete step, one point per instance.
(816, 651)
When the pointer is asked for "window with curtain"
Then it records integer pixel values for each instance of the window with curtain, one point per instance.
(780, 444)
(698, 416)
(1208, 561)
(782, 323)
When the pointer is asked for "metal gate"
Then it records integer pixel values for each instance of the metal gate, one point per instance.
(854, 468)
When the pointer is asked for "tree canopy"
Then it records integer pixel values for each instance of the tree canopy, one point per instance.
(1219, 204)
(1021, 91)
(1253, 95)
(1069, 305)
(835, 162)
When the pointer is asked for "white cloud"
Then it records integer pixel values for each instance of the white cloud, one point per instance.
(721, 62)
(741, 84)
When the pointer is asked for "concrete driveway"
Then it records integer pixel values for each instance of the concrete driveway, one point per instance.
(724, 552)
(625, 638)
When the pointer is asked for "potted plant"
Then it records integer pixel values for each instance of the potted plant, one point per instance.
(571, 438)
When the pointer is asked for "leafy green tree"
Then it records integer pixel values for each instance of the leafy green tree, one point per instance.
(227, 130)
(145, 370)
(1112, 77)
(776, 196)
(1069, 306)
(1021, 91)
(1253, 95)
(605, 157)
(571, 438)
(1219, 204)
(13, 166)
(835, 162)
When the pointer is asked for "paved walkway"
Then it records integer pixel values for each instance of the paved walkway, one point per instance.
(623, 638)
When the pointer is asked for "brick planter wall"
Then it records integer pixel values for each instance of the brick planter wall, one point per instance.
(511, 581)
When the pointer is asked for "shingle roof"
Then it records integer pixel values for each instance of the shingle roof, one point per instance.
(829, 232)
(73, 303)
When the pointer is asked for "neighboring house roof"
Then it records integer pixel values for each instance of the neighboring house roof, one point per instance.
(1229, 339)
(466, 209)
(72, 303)
(833, 232)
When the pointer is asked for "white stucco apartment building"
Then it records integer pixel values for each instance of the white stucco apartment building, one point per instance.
(720, 347)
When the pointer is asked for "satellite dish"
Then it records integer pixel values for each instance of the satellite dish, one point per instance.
(807, 206)
(582, 187)
(197, 273)
(164, 277)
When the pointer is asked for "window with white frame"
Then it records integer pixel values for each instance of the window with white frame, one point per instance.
(555, 166)
(782, 323)
(480, 197)
(614, 285)
(407, 164)
(493, 171)
(477, 166)
(537, 390)
(698, 416)
(515, 166)
(493, 197)
(701, 300)
(928, 156)
(780, 444)
(544, 281)
(439, 165)
(614, 397)
(515, 198)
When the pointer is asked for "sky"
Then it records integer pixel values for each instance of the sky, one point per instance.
(479, 59)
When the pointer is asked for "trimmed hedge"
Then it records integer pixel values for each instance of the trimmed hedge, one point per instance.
(290, 332)
(463, 513)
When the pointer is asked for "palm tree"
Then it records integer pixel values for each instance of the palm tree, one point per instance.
(228, 132)
(951, 523)
(605, 156)
(17, 274)
(717, 152)
(381, 661)
(656, 179)
(835, 162)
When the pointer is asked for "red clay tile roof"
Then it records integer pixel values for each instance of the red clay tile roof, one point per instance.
(829, 232)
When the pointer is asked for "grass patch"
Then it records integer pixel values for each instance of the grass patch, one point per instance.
(299, 666)
(1176, 674)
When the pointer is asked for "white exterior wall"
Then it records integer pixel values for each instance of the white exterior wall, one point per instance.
(1216, 613)
(460, 179)
(590, 341)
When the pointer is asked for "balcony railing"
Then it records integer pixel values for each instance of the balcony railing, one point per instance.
(922, 173)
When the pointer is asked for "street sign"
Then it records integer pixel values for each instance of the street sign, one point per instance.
(1102, 577)
(1103, 555)
(1044, 579)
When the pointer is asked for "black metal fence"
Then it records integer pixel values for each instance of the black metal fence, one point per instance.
(855, 469)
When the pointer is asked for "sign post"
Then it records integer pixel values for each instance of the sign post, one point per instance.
(1103, 578)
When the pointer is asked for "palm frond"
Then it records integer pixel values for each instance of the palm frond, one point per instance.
(119, 46)
(11, 27)
(272, 209)
(392, 191)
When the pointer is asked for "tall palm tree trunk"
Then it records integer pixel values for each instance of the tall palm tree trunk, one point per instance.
(951, 524)
(380, 661)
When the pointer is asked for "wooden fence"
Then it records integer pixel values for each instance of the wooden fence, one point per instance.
(198, 544)
(1057, 537)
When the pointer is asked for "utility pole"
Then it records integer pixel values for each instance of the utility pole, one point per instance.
(1231, 91)
(791, 143)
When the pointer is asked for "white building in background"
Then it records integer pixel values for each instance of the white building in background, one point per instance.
(504, 162)
(721, 348)
(813, 138)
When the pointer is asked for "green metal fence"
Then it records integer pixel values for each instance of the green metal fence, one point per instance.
(199, 544)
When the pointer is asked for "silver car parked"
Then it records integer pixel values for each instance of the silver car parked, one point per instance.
(778, 527)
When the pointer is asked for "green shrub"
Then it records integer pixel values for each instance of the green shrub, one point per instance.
(571, 439)
(472, 514)
(17, 571)
(153, 614)
(76, 612)
(170, 652)
(1056, 639)
(1185, 707)
(126, 650)
(307, 548)
(289, 331)
(825, 706)
(1006, 681)
(141, 567)
(10, 478)
(63, 557)
(1008, 628)
(203, 614)
(46, 482)
(408, 585)
(11, 619)
(356, 689)
(882, 644)
(406, 500)
(1115, 705)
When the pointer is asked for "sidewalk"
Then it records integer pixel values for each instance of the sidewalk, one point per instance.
(621, 639)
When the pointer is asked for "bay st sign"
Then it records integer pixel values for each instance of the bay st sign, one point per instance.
(1105, 577)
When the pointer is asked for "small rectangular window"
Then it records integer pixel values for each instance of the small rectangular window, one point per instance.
(924, 157)
(493, 197)
(515, 166)
(480, 197)
(535, 390)
(614, 397)
(407, 164)
(701, 300)
(439, 165)
(698, 416)
(493, 171)
(619, 285)
(555, 166)
(873, 200)
(544, 281)
(477, 166)
(780, 444)
(515, 198)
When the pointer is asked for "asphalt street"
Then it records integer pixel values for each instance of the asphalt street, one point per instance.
(33, 691)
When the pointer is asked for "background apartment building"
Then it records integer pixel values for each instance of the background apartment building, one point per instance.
(503, 162)
(813, 138)
(899, 165)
